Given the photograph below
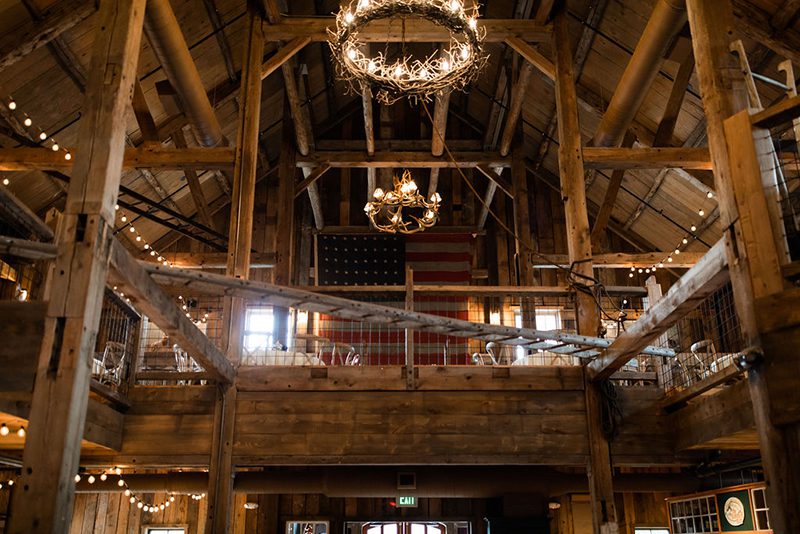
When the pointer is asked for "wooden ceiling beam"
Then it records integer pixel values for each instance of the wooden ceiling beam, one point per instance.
(22, 159)
(285, 53)
(214, 260)
(647, 158)
(222, 41)
(609, 200)
(532, 56)
(311, 178)
(383, 160)
(515, 109)
(15, 45)
(414, 30)
(621, 260)
(439, 130)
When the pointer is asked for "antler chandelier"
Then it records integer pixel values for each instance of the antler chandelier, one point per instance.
(416, 79)
(386, 212)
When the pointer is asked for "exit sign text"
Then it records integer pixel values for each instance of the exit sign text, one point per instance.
(406, 501)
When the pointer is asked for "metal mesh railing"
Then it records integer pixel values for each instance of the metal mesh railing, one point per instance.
(706, 342)
(117, 343)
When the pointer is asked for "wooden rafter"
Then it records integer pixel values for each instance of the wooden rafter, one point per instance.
(222, 40)
(149, 157)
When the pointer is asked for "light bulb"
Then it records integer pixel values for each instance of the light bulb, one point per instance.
(138, 238)
(116, 207)
(104, 477)
(118, 470)
(77, 478)
(172, 499)
(371, 66)
(669, 259)
(351, 53)
(630, 275)
(140, 505)
(429, 214)
(127, 493)
(12, 105)
(363, 4)
(660, 265)
(4, 430)
(464, 52)
(10, 482)
(42, 136)
(27, 121)
(146, 246)
(21, 432)
(455, 5)
(710, 194)
(685, 241)
(633, 269)
(677, 251)
(131, 229)
(398, 71)
(54, 148)
(91, 479)
(378, 193)
(120, 483)
(348, 17)
(6, 181)
(473, 23)
(424, 73)
(165, 264)
(152, 252)
(445, 65)
(693, 228)
(161, 507)
(701, 213)
(647, 271)
(123, 218)
(132, 500)
(412, 186)
(640, 271)
(67, 156)
(166, 504)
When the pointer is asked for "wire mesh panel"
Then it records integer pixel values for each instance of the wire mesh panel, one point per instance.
(706, 341)
(117, 343)
(785, 191)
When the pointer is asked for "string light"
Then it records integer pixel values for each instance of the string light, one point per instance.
(139, 238)
(28, 122)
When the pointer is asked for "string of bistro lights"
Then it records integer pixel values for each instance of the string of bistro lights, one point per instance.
(689, 237)
(141, 503)
(42, 136)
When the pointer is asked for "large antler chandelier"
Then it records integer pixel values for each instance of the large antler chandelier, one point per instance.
(417, 79)
(403, 210)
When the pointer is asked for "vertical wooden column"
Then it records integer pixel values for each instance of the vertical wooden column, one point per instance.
(221, 468)
(409, 368)
(570, 161)
(44, 497)
(753, 258)
(522, 216)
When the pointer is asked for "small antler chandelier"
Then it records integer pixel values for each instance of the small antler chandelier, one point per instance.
(403, 210)
(417, 79)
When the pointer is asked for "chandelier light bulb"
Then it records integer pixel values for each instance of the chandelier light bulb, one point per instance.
(436, 197)
(412, 186)
(455, 5)
(464, 52)
(473, 23)
(363, 4)
(445, 65)
(172, 498)
(27, 121)
(398, 71)
(630, 275)
(77, 478)
(348, 17)
(352, 53)
(10, 482)
(371, 66)
(166, 504)
(378, 193)
(12, 105)
(424, 73)
(641, 271)
(152, 252)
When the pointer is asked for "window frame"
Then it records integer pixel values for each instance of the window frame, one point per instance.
(164, 529)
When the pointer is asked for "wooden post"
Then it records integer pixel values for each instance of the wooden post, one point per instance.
(284, 237)
(409, 368)
(753, 259)
(654, 294)
(221, 470)
(570, 160)
(43, 500)
(522, 217)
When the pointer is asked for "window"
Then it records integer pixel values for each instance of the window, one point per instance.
(640, 530)
(165, 530)
(760, 508)
(692, 516)
(306, 527)
(258, 329)
(546, 319)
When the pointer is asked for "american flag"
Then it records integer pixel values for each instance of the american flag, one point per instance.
(436, 259)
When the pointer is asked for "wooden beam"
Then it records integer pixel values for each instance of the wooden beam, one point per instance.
(515, 109)
(676, 95)
(22, 218)
(646, 158)
(369, 122)
(16, 44)
(609, 199)
(44, 498)
(384, 160)
(149, 157)
(222, 41)
(522, 218)
(195, 187)
(417, 30)
(313, 176)
(284, 54)
(622, 260)
(493, 174)
(533, 56)
(708, 275)
(216, 260)
(132, 279)
(573, 194)
(781, 113)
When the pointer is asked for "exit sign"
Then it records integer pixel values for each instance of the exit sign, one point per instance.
(406, 501)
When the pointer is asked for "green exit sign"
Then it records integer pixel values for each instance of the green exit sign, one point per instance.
(406, 501)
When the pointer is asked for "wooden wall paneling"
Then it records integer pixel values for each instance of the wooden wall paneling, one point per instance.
(58, 410)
